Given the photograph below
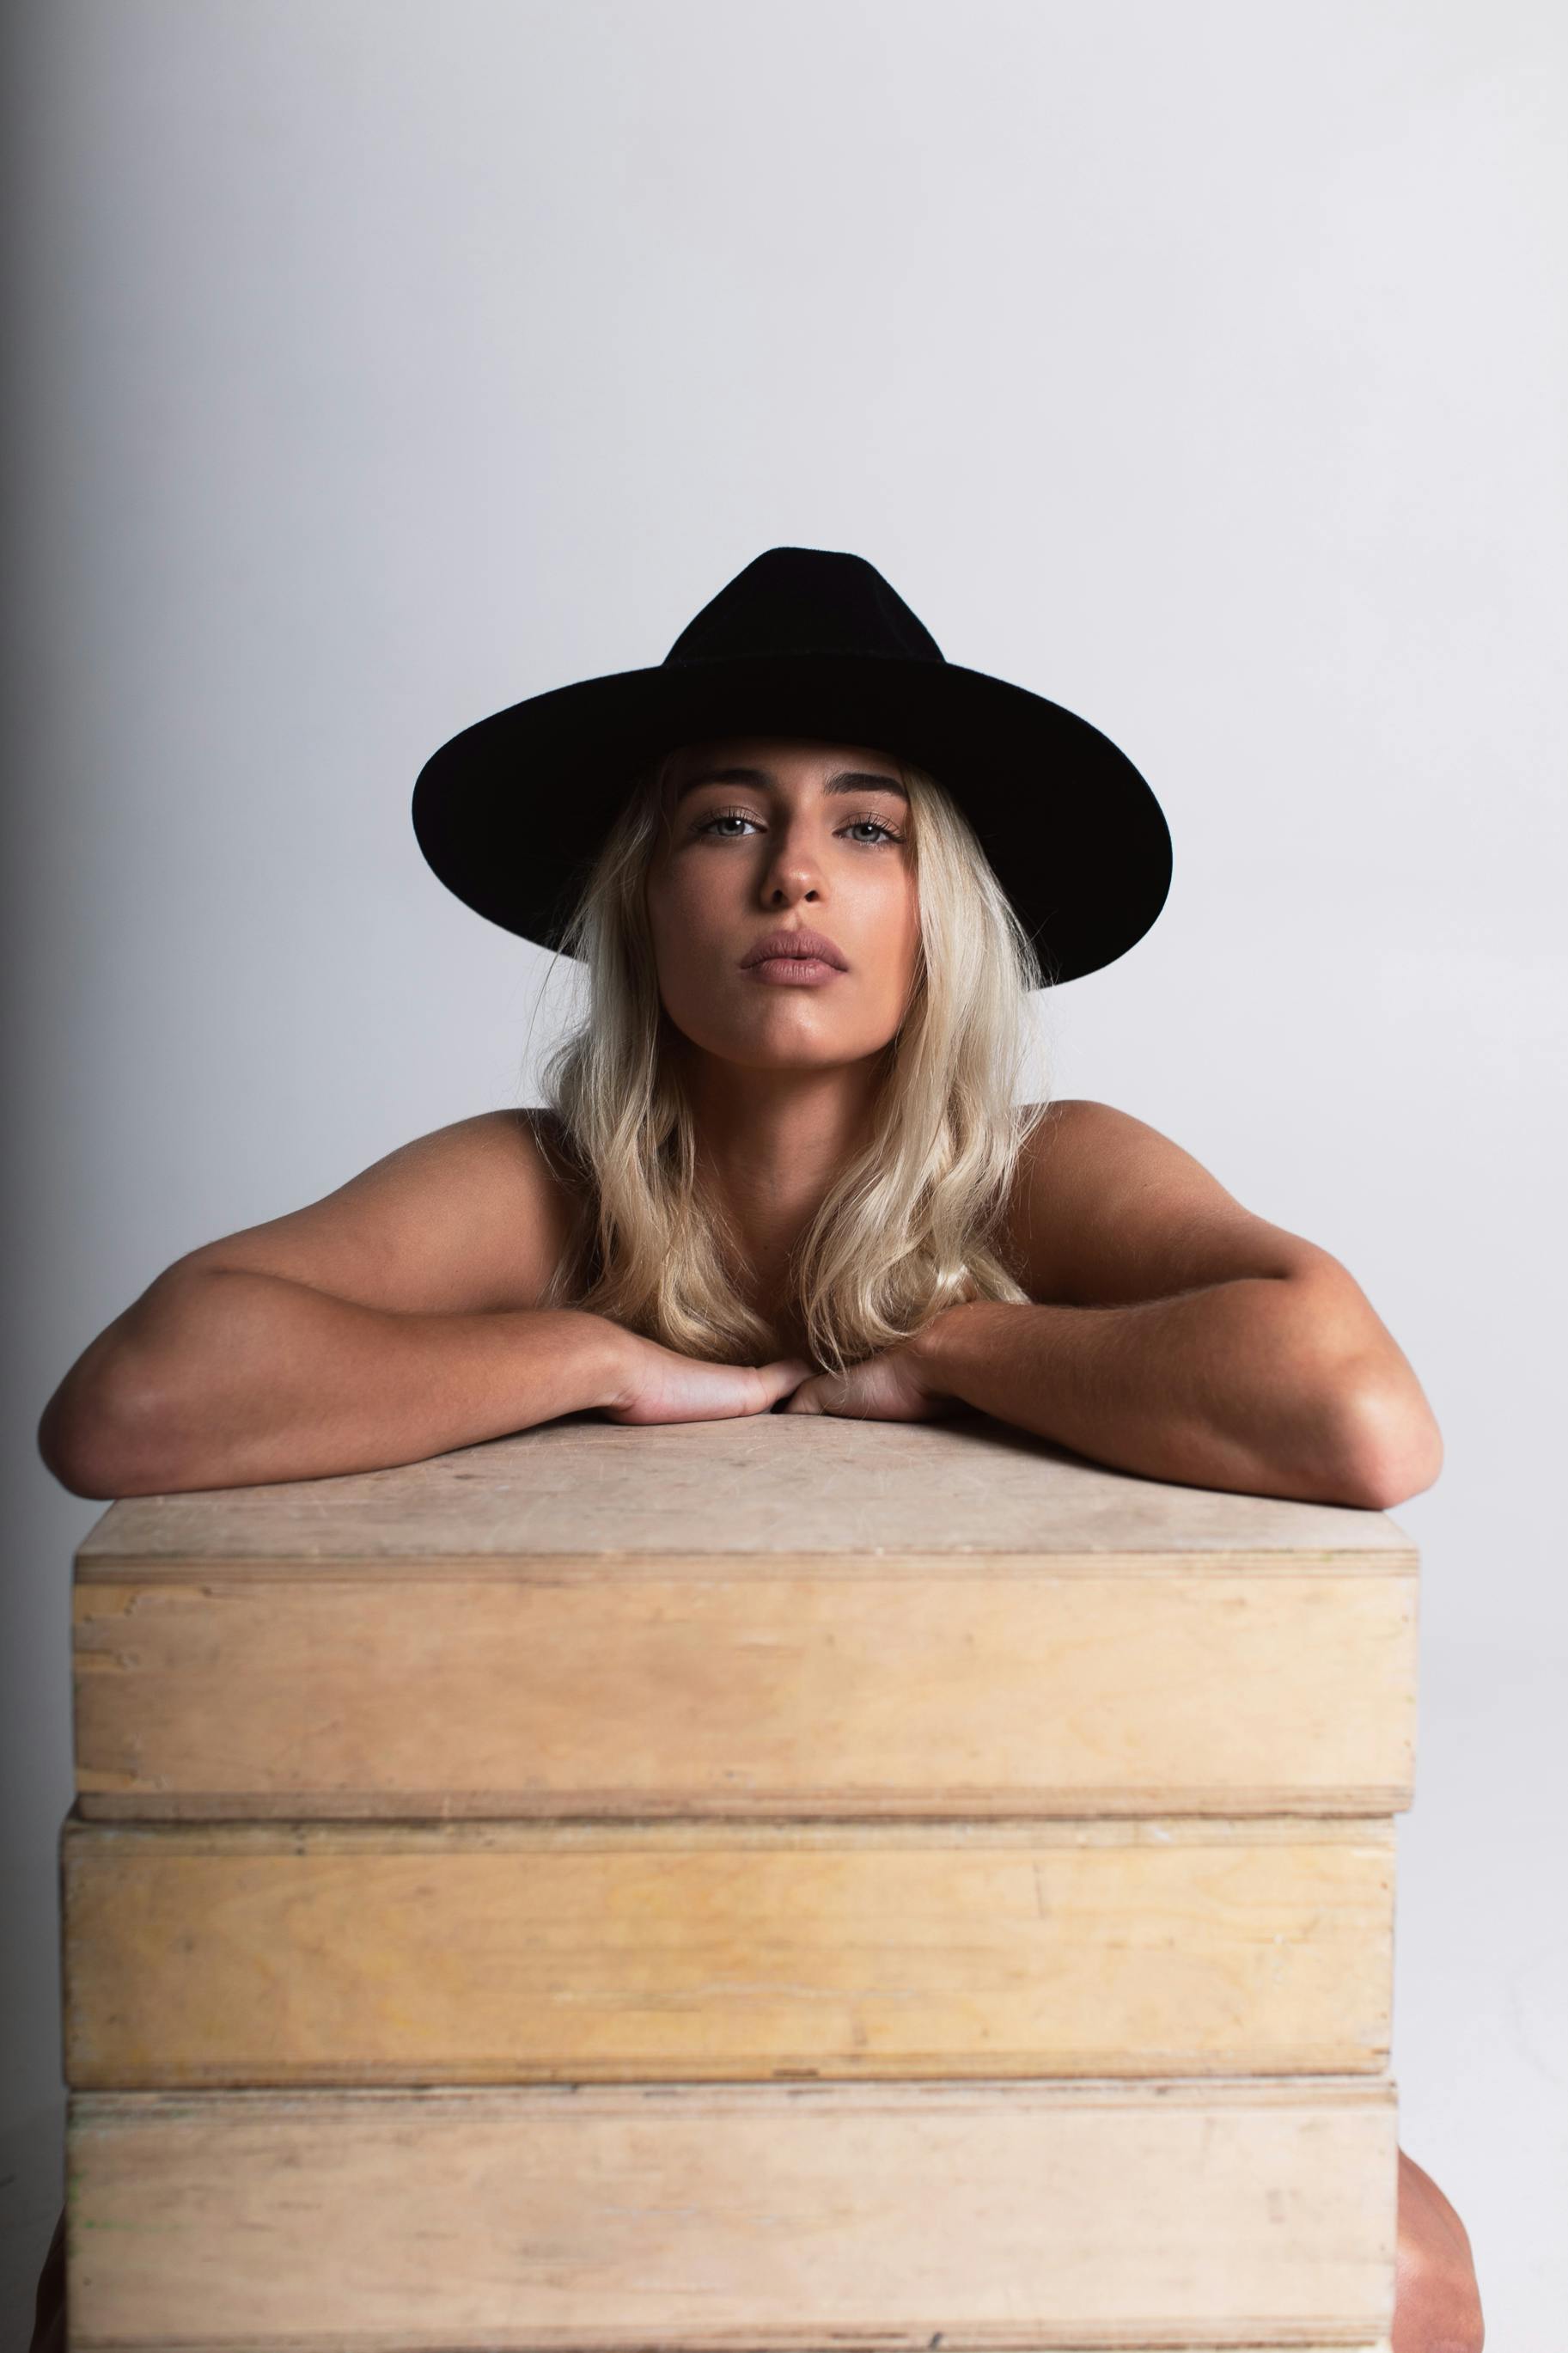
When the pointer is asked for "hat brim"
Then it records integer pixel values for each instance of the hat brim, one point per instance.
(512, 812)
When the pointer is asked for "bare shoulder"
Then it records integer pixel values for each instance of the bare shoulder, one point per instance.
(1106, 1210)
(473, 1217)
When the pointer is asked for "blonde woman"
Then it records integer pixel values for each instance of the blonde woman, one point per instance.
(812, 871)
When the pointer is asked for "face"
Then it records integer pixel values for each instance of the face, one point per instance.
(765, 834)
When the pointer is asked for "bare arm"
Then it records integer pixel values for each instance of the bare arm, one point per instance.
(395, 1319)
(221, 1378)
(1231, 1386)
(1176, 1334)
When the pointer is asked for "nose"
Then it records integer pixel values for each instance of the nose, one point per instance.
(792, 871)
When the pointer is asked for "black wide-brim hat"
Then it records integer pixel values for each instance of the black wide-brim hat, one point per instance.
(512, 812)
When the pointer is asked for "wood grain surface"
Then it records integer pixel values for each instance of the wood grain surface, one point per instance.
(323, 1953)
(759, 1486)
(1238, 2213)
(964, 1690)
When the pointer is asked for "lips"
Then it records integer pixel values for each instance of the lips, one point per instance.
(801, 945)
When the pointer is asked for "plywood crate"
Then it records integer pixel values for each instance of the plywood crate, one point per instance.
(767, 1883)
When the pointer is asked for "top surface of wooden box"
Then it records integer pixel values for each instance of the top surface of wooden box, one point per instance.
(770, 1488)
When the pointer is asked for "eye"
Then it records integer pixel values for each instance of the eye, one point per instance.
(726, 816)
(745, 816)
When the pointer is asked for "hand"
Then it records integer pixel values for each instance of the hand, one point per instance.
(658, 1384)
(895, 1384)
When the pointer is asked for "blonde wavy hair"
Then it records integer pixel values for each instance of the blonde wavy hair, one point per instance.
(911, 1224)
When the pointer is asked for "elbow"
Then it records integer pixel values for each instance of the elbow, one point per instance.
(1391, 1446)
(112, 1427)
(94, 1441)
(71, 1450)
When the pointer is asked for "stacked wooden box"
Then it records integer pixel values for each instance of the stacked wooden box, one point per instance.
(777, 1883)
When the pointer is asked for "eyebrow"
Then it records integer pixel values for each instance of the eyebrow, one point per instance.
(847, 780)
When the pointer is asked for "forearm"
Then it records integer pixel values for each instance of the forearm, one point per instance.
(1234, 1385)
(222, 1377)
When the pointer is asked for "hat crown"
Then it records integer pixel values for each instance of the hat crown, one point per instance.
(806, 600)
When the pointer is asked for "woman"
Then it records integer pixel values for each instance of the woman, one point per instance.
(782, 1165)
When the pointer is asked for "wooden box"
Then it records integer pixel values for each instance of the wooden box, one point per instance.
(766, 1882)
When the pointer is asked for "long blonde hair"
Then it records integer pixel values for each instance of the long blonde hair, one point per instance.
(913, 1222)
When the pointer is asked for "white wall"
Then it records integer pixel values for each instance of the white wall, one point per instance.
(1197, 362)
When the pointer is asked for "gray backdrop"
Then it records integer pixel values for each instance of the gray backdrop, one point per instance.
(1197, 362)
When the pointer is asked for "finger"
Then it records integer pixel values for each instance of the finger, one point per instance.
(785, 1372)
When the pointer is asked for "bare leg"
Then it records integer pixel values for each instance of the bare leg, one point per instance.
(1437, 2302)
(49, 2297)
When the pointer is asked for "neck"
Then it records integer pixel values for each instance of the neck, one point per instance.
(770, 1144)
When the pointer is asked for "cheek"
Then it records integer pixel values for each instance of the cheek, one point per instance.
(682, 886)
(661, 896)
(908, 961)
(904, 920)
(684, 912)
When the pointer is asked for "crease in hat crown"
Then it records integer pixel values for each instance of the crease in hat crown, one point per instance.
(780, 604)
